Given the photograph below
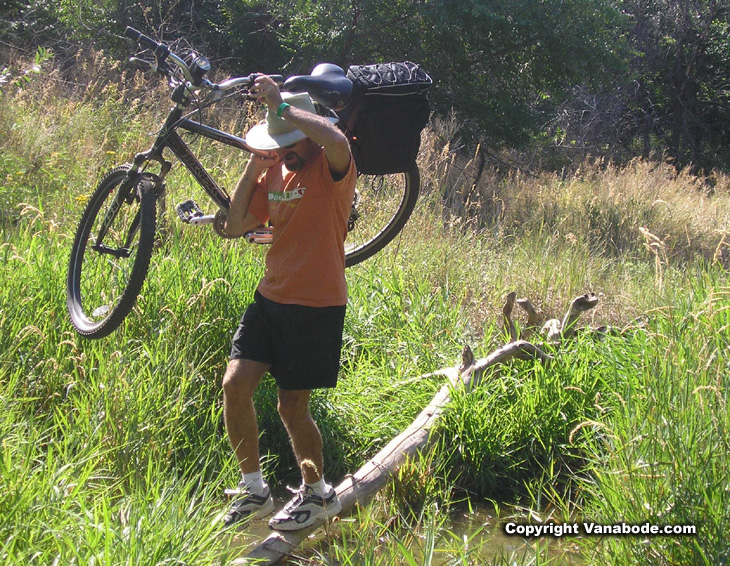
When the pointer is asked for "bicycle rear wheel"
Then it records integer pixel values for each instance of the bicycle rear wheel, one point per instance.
(382, 206)
(106, 275)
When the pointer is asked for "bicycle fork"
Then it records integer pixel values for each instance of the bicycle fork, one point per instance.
(126, 194)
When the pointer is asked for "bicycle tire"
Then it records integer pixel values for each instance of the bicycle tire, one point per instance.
(383, 214)
(98, 302)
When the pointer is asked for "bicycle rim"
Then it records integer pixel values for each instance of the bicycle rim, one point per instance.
(104, 281)
(383, 204)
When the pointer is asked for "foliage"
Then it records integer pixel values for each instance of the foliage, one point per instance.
(12, 78)
(682, 72)
(113, 451)
(503, 76)
(608, 77)
(674, 97)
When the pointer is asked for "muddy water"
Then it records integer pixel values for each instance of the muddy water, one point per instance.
(488, 541)
(483, 535)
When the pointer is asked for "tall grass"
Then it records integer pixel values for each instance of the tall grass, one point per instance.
(114, 451)
(662, 456)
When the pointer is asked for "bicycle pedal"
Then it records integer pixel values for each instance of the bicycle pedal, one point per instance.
(188, 211)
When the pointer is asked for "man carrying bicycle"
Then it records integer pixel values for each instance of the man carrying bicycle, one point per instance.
(304, 185)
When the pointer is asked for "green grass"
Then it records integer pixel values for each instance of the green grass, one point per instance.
(114, 451)
(663, 455)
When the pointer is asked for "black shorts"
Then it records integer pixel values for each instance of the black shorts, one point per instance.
(302, 344)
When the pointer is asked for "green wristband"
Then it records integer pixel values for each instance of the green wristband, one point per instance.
(283, 106)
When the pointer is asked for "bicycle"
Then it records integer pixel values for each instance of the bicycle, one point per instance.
(115, 238)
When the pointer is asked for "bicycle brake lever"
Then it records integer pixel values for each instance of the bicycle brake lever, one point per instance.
(163, 69)
(147, 64)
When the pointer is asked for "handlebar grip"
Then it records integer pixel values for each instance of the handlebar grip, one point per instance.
(132, 33)
(141, 38)
(278, 79)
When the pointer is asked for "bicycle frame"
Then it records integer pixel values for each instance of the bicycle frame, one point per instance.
(170, 139)
(116, 235)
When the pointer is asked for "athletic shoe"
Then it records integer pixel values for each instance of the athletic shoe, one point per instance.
(305, 509)
(248, 505)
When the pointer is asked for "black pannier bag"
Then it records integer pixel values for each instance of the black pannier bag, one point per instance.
(388, 109)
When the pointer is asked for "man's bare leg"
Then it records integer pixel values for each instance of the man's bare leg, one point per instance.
(317, 501)
(240, 381)
(239, 384)
(303, 431)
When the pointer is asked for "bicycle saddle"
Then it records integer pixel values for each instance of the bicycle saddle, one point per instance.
(327, 85)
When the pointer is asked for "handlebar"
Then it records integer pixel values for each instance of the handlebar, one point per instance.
(194, 76)
(141, 38)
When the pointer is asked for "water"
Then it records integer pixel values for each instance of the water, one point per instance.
(483, 536)
(486, 536)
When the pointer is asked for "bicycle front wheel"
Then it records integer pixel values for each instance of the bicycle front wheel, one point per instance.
(110, 254)
(382, 207)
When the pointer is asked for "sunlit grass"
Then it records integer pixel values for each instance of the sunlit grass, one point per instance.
(114, 452)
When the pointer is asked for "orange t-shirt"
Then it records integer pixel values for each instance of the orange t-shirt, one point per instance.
(309, 211)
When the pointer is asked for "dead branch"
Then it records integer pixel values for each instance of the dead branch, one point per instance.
(533, 319)
(362, 486)
(579, 305)
(556, 330)
(507, 324)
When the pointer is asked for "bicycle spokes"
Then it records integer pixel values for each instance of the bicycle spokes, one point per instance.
(380, 209)
(111, 252)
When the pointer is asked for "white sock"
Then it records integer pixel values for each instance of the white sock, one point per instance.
(321, 488)
(255, 482)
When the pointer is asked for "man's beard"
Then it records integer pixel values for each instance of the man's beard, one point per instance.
(296, 164)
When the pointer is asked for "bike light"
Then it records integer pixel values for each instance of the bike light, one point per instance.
(202, 63)
(198, 68)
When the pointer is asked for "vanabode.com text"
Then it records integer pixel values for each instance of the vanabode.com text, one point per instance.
(561, 529)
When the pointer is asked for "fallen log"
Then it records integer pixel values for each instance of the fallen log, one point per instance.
(362, 486)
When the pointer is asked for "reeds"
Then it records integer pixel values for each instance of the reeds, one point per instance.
(113, 452)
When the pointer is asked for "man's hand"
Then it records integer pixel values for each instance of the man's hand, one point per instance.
(267, 91)
(316, 128)
(261, 161)
(239, 220)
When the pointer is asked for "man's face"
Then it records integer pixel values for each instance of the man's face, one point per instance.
(293, 156)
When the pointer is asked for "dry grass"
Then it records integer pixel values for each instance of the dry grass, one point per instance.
(125, 429)
(606, 206)
(98, 111)
(64, 129)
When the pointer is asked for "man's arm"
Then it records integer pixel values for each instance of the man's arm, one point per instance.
(317, 128)
(239, 220)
